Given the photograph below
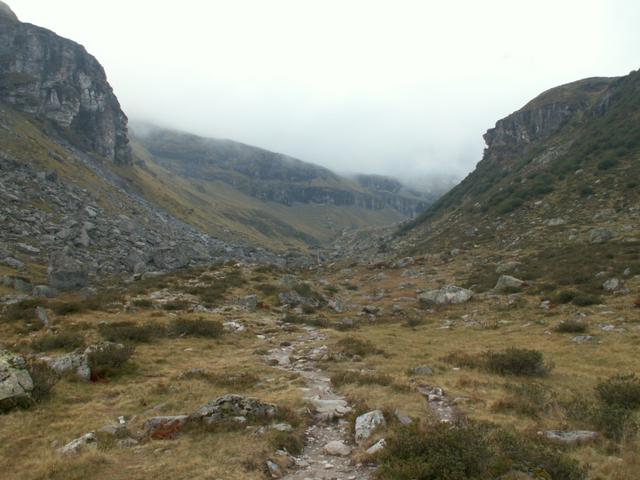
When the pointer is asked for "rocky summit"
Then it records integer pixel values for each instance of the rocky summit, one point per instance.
(174, 306)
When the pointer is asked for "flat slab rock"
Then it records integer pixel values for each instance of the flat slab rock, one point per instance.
(570, 436)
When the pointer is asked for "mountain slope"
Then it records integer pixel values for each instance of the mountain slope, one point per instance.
(557, 190)
(233, 190)
(571, 151)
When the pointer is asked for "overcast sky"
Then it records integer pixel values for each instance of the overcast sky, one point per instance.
(391, 87)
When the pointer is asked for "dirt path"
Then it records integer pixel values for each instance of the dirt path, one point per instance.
(302, 357)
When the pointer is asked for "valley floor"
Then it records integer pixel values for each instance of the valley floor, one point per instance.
(360, 341)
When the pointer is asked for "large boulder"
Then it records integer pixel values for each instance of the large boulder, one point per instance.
(15, 382)
(367, 423)
(446, 295)
(67, 273)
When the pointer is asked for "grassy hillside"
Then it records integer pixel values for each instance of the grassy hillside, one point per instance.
(589, 161)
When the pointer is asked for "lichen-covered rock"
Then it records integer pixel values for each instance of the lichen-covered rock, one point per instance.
(56, 80)
(76, 363)
(88, 440)
(367, 423)
(450, 294)
(229, 406)
(15, 382)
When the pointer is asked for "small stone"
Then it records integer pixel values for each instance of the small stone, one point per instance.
(337, 448)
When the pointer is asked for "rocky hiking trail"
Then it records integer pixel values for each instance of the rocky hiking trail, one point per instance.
(327, 444)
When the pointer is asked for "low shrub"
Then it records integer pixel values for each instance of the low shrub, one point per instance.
(61, 341)
(463, 360)
(66, 308)
(517, 361)
(621, 391)
(130, 332)
(268, 289)
(529, 399)
(142, 303)
(44, 379)
(352, 346)
(23, 310)
(476, 451)
(571, 326)
(175, 305)
(107, 360)
(292, 442)
(198, 327)
(577, 298)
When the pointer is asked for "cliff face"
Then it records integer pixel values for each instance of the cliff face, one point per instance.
(56, 80)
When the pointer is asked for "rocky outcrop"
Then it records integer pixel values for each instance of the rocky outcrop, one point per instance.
(56, 80)
(15, 382)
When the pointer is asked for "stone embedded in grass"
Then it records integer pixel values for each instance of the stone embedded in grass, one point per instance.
(78, 363)
(579, 339)
(611, 285)
(450, 294)
(570, 437)
(337, 448)
(508, 283)
(164, 427)
(367, 423)
(74, 447)
(422, 370)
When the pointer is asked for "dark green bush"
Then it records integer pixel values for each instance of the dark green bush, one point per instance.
(571, 326)
(607, 163)
(198, 327)
(61, 341)
(470, 451)
(351, 346)
(107, 360)
(622, 391)
(66, 308)
(517, 361)
(130, 332)
(175, 305)
(44, 379)
(577, 298)
(142, 303)
(292, 442)
(23, 310)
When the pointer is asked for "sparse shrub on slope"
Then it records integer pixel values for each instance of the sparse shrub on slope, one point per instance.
(198, 327)
(571, 326)
(470, 451)
(130, 332)
(517, 361)
(61, 341)
(106, 360)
